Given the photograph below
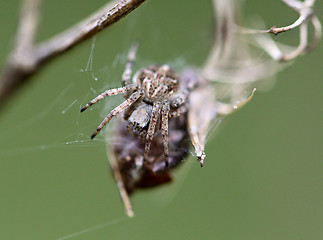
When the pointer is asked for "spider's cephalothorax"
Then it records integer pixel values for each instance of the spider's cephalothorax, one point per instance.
(152, 99)
(158, 82)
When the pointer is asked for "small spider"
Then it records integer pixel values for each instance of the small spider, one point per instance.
(163, 114)
(154, 96)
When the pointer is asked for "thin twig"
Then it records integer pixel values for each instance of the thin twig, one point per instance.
(26, 58)
(118, 177)
(26, 31)
(306, 15)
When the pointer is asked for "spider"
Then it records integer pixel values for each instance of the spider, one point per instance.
(154, 96)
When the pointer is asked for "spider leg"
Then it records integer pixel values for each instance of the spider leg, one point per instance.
(164, 129)
(110, 92)
(128, 70)
(133, 98)
(130, 109)
(152, 126)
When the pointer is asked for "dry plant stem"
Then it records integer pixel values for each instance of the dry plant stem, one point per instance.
(317, 33)
(21, 63)
(306, 15)
(26, 58)
(118, 177)
(26, 30)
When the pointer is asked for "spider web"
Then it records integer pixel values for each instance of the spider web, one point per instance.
(48, 164)
(62, 108)
(93, 228)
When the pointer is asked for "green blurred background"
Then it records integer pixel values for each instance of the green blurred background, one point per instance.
(263, 175)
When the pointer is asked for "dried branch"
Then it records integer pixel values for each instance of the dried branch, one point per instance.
(117, 174)
(26, 58)
(234, 69)
(306, 14)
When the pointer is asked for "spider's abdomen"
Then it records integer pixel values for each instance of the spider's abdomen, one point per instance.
(158, 82)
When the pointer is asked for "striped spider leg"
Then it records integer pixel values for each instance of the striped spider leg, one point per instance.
(130, 91)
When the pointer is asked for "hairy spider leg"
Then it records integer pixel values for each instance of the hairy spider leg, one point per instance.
(131, 108)
(110, 92)
(164, 129)
(152, 126)
(133, 98)
(128, 69)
